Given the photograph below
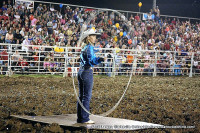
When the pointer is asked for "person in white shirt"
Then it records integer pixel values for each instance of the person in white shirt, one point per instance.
(151, 41)
(112, 15)
(195, 66)
(17, 16)
(22, 32)
(178, 41)
(109, 61)
(25, 43)
(15, 58)
(59, 15)
(80, 20)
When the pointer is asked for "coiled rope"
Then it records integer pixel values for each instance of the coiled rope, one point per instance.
(74, 87)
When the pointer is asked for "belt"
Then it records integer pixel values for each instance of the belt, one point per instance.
(85, 67)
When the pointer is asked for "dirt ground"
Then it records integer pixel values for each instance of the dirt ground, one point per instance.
(170, 101)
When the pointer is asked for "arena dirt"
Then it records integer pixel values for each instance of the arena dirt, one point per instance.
(170, 101)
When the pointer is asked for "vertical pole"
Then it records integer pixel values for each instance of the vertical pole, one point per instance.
(174, 61)
(113, 68)
(66, 62)
(9, 60)
(39, 61)
(134, 65)
(140, 13)
(155, 63)
(9, 70)
(192, 60)
(154, 4)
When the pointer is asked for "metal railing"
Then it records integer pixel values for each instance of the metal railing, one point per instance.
(117, 61)
(122, 11)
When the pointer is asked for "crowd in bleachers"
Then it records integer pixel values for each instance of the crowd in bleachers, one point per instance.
(46, 26)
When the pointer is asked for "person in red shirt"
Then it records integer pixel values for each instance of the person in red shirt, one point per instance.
(5, 17)
(137, 17)
(174, 21)
(104, 35)
(24, 66)
(167, 46)
(4, 56)
(36, 58)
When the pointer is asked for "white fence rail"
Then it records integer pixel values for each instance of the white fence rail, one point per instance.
(117, 61)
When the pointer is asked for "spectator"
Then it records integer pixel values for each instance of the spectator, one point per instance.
(34, 21)
(164, 67)
(9, 37)
(118, 59)
(18, 37)
(108, 64)
(177, 68)
(184, 67)
(172, 63)
(52, 66)
(22, 32)
(46, 64)
(130, 59)
(1, 65)
(146, 67)
(36, 58)
(4, 57)
(15, 60)
(3, 31)
(24, 65)
(25, 44)
(140, 66)
(2, 40)
(195, 66)
(151, 67)
(137, 17)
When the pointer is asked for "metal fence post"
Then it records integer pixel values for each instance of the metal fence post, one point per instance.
(9, 61)
(66, 62)
(113, 68)
(174, 61)
(192, 60)
(155, 63)
(134, 65)
(39, 62)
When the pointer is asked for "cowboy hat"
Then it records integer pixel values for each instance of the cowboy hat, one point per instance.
(89, 32)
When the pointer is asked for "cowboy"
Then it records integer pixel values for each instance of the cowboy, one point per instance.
(85, 75)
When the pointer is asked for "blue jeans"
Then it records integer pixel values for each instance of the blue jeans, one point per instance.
(85, 82)
(108, 70)
(8, 41)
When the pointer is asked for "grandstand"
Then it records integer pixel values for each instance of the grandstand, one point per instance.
(32, 30)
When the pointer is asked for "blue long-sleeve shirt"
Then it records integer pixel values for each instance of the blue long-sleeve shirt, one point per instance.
(88, 57)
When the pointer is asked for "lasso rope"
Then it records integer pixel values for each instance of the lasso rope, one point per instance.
(134, 64)
(116, 105)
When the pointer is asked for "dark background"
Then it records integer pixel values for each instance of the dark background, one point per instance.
(185, 8)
